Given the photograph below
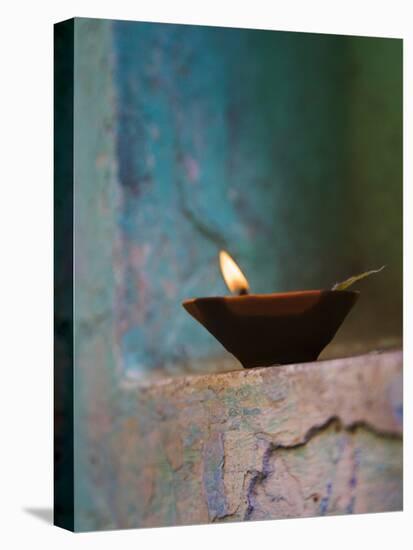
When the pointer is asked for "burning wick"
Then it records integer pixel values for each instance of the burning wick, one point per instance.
(233, 276)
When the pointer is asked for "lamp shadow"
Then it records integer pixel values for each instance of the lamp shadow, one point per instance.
(45, 514)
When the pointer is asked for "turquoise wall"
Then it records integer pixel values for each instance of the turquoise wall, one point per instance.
(283, 148)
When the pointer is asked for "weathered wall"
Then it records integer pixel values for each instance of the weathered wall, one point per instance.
(187, 139)
(284, 148)
(96, 393)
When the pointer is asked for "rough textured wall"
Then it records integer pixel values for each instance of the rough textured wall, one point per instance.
(253, 164)
(96, 398)
(284, 148)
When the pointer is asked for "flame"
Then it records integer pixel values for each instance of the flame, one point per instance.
(233, 276)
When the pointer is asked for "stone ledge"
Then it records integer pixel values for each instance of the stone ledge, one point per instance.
(289, 441)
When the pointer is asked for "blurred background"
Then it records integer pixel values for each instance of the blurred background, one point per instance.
(283, 148)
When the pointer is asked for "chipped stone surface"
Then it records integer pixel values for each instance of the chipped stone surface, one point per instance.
(292, 441)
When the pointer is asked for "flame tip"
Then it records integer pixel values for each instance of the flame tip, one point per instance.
(232, 274)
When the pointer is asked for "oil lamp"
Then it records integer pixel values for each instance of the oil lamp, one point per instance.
(271, 329)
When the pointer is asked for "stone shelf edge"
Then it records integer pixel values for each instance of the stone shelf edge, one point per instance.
(291, 441)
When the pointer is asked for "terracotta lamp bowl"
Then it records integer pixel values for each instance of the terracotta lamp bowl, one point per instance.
(270, 329)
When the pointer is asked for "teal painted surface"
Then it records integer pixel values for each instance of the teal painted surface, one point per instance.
(284, 148)
(96, 386)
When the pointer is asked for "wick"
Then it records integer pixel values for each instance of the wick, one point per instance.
(243, 292)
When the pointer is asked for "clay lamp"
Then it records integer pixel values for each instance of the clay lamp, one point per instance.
(269, 329)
